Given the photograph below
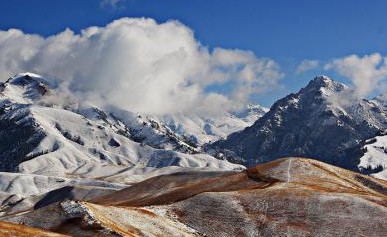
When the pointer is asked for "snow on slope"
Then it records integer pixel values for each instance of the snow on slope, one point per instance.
(318, 200)
(204, 129)
(374, 160)
(78, 146)
(16, 183)
(76, 141)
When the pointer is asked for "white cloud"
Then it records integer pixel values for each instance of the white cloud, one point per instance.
(141, 65)
(251, 75)
(113, 4)
(307, 65)
(366, 72)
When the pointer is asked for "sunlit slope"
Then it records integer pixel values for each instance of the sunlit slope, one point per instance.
(286, 197)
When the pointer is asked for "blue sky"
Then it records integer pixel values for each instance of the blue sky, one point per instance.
(285, 31)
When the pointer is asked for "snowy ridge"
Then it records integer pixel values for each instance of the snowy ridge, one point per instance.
(30, 184)
(75, 141)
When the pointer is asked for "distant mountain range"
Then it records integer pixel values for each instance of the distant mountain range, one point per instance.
(47, 132)
(205, 129)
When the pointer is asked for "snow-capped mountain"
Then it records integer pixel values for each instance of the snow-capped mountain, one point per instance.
(203, 129)
(321, 121)
(44, 132)
(117, 173)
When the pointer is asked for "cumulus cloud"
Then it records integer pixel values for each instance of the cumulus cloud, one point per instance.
(367, 73)
(307, 65)
(142, 66)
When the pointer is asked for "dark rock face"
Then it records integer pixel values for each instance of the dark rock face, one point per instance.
(113, 143)
(308, 124)
(19, 136)
(19, 132)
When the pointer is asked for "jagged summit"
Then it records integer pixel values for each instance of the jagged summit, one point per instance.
(322, 79)
(324, 86)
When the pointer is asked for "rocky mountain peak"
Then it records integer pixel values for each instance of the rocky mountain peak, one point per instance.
(324, 86)
(306, 124)
(26, 87)
(27, 78)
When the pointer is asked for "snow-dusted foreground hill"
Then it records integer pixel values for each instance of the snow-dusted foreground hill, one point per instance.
(46, 134)
(286, 197)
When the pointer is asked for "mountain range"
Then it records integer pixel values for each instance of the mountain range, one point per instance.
(106, 171)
